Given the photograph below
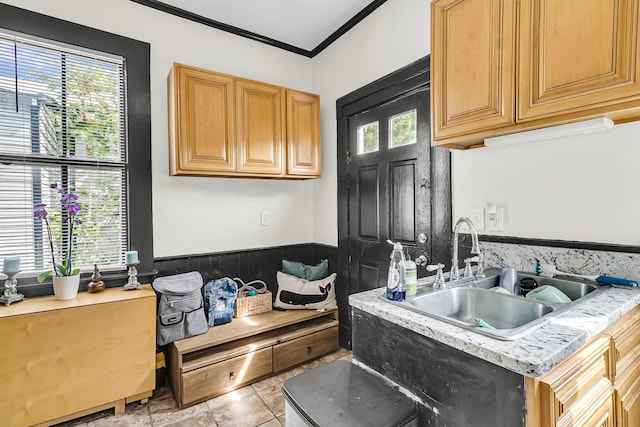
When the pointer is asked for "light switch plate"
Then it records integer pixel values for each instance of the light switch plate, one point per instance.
(476, 215)
(265, 218)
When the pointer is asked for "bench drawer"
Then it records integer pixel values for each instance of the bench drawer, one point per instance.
(305, 348)
(214, 380)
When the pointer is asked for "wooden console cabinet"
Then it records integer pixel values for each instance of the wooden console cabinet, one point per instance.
(246, 350)
(64, 359)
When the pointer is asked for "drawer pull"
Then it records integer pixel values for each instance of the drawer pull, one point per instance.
(309, 349)
(232, 375)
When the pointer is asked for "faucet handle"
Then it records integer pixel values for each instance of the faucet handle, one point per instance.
(439, 282)
(434, 267)
(468, 273)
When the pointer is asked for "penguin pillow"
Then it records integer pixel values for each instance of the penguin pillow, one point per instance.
(295, 293)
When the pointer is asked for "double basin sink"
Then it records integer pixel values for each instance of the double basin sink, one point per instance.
(499, 315)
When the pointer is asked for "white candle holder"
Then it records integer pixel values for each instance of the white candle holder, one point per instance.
(133, 283)
(11, 294)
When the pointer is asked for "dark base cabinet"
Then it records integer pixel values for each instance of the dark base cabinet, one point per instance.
(456, 389)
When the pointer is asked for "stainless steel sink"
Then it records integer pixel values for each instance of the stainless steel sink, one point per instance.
(511, 316)
(574, 289)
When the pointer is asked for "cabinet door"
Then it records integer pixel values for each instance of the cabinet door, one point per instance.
(627, 387)
(472, 66)
(259, 113)
(303, 134)
(626, 337)
(579, 388)
(577, 56)
(201, 121)
(595, 409)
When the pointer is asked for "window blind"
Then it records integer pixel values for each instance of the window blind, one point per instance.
(62, 121)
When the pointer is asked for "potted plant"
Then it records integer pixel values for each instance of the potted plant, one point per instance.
(66, 279)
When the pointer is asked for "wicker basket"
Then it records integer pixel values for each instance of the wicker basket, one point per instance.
(246, 305)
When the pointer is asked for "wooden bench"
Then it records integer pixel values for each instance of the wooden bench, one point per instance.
(247, 350)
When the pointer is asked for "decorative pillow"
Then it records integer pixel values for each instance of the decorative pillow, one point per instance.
(297, 293)
(306, 272)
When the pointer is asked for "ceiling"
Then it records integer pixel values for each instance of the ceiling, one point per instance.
(302, 26)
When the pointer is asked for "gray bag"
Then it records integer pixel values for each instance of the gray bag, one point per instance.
(180, 309)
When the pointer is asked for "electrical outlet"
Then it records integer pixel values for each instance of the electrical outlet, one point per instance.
(476, 215)
(496, 222)
(265, 218)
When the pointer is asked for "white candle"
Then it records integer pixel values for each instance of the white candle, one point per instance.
(131, 257)
(11, 265)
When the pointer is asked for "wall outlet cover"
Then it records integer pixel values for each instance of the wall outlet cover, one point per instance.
(496, 224)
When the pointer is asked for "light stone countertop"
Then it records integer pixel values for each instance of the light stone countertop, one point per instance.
(531, 355)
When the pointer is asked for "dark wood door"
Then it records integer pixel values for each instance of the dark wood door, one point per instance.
(389, 194)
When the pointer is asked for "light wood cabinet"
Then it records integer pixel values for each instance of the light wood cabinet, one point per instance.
(64, 359)
(577, 56)
(599, 385)
(626, 338)
(303, 134)
(201, 120)
(259, 116)
(246, 350)
(221, 125)
(576, 390)
(505, 66)
(472, 66)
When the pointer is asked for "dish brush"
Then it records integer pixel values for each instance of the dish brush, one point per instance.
(549, 270)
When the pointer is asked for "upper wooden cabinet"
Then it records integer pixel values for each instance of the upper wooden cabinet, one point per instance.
(221, 125)
(303, 133)
(505, 66)
(259, 112)
(472, 65)
(201, 122)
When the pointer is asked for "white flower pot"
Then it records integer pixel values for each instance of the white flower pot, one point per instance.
(66, 287)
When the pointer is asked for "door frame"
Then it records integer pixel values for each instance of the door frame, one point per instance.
(407, 79)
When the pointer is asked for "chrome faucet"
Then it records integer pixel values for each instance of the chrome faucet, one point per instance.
(475, 247)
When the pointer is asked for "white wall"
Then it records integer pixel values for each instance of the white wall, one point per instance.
(201, 215)
(583, 188)
(394, 35)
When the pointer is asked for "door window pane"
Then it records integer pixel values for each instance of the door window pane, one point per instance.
(368, 138)
(403, 129)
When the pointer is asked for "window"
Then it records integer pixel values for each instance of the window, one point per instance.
(403, 129)
(137, 168)
(62, 120)
(368, 141)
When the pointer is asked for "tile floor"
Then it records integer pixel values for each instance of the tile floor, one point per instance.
(259, 404)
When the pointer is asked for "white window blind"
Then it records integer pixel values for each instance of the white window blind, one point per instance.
(62, 120)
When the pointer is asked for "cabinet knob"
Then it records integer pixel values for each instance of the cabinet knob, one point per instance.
(232, 375)
(309, 349)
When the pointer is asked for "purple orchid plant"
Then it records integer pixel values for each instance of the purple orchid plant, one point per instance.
(70, 205)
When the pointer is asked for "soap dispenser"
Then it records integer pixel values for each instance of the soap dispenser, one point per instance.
(396, 280)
